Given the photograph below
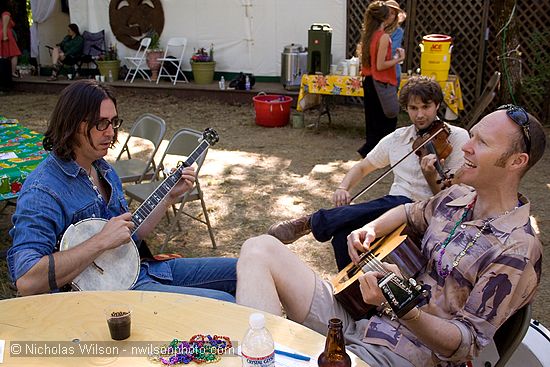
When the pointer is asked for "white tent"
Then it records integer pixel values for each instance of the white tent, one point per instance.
(248, 35)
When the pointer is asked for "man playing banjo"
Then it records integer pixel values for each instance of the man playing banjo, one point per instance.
(75, 183)
(483, 259)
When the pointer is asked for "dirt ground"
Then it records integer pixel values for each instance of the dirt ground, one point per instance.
(256, 176)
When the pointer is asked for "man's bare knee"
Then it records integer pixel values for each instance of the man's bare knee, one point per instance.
(260, 248)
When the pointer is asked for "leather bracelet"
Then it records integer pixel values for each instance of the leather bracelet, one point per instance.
(51, 273)
(415, 317)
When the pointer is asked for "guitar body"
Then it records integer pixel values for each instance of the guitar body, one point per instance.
(396, 248)
(115, 269)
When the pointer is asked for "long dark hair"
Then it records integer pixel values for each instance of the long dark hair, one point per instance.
(377, 12)
(79, 102)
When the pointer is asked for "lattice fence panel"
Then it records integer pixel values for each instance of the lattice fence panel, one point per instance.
(532, 19)
(463, 21)
(476, 47)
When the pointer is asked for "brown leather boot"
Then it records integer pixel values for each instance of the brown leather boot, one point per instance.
(289, 231)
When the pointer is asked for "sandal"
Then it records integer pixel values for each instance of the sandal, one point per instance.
(52, 78)
(16, 75)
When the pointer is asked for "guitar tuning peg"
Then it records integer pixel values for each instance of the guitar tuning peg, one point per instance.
(412, 282)
(425, 293)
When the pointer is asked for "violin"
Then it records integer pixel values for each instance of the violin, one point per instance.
(438, 145)
(433, 141)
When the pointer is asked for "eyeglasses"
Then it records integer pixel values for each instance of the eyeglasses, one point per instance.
(103, 124)
(520, 117)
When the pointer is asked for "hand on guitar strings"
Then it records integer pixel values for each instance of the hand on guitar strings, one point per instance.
(117, 231)
(359, 241)
(368, 283)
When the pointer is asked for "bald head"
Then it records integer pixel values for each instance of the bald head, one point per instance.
(526, 138)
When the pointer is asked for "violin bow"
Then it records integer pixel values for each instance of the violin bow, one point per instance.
(395, 165)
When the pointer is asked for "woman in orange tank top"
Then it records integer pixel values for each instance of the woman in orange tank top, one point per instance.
(378, 64)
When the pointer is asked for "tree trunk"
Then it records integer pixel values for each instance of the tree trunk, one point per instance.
(507, 40)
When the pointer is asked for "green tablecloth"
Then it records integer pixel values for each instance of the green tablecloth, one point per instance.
(20, 152)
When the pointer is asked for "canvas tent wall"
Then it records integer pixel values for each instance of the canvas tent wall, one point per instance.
(248, 35)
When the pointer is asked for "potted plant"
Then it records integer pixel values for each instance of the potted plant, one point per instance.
(109, 64)
(203, 65)
(153, 54)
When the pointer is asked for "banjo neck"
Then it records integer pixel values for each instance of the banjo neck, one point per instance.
(153, 200)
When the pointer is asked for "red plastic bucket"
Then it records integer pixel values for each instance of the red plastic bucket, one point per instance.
(272, 110)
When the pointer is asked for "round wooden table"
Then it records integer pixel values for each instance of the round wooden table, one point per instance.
(157, 318)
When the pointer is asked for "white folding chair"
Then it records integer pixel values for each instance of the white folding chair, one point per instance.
(138, 61)
(175, 48)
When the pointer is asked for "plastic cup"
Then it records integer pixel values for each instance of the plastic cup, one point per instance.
(103, 78)
(119, 320)
(70, 76)
(97, 78)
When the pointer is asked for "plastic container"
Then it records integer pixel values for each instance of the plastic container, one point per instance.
(435, 59)
(257, 348)
(272, 110)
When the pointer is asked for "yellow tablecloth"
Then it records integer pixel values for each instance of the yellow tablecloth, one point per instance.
(452, 95)
(313, 86)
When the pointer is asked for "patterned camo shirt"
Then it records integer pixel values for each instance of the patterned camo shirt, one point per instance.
(498, 275)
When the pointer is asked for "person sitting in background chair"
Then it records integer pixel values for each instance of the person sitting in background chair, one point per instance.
(68, 51)
(414, 179)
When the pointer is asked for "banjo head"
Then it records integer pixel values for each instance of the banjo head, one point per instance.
(114, 269)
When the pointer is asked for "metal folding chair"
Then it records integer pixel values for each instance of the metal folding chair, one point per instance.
(182, 144)
(483, 101)
(137, 62)
(131, 168)
(170, 66)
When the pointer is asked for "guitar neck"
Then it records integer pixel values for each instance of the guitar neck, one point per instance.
(153, 200)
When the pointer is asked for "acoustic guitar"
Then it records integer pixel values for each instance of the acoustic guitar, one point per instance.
(118, 268)
(402, 294)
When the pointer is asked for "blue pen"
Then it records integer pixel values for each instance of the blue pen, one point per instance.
(292, 355)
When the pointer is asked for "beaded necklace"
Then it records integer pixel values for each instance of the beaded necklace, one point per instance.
(444, 273)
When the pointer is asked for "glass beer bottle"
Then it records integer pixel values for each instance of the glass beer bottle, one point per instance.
(334, 354)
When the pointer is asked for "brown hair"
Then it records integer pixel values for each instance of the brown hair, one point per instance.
(377, 12)
(421, 86)
(79, 102)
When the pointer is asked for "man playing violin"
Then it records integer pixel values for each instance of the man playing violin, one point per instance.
(75, 183)
(483, 259)
(414, 178)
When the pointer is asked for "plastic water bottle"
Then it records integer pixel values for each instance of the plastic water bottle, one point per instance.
(222, 83)
(257, 347)
(110, 77)
(247, 83)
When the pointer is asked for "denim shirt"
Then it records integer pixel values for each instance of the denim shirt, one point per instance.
(55, 195)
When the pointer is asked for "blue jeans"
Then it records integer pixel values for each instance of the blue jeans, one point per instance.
(205, 277)
(337, 223)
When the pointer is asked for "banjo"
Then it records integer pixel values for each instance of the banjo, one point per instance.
(118, 268)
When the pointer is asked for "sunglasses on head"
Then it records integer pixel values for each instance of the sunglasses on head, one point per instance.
(103, 124)
(520, 117)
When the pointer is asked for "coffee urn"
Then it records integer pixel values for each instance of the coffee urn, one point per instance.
(293, 66)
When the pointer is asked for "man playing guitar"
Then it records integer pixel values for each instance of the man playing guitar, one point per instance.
(414, 179)
(484, 259)
(75, 183)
